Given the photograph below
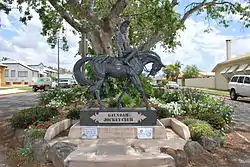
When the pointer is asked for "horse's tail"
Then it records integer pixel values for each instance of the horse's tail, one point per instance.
(79, 73)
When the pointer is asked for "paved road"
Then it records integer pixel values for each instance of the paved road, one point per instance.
(10, 104)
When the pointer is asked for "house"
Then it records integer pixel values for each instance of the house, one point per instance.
(232, 66)
(44, 71)
(205, 74)
(2, 69)
(19, 73)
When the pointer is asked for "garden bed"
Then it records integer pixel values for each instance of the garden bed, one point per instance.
(204, 115)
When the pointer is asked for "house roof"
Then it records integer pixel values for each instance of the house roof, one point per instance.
(51, 70)
(45, 68)
(13, 61)
(206, 73)
(245, 56)
(37, 64)
(2, 65)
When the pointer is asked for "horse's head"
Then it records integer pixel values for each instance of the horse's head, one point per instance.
(156, 60)
(156, 67)
(147, 57)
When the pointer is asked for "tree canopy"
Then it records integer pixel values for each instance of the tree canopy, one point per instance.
(152, 21)
(191, 71)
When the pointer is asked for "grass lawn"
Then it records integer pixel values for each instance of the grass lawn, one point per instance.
(17, 87)
(4, 88)
(25, 88)
(214, 92)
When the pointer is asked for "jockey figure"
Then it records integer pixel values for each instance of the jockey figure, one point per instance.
(125, 52)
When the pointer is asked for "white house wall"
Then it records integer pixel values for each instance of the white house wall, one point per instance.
(221, 82)
(18, 67)
(201, 82)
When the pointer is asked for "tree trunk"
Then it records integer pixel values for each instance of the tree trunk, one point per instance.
(101, 42)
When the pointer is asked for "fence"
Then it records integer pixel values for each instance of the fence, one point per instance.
(199, 82)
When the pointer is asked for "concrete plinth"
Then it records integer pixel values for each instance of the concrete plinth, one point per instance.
(118, 132)
(114, 155)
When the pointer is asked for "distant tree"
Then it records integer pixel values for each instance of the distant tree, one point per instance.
(172, 71)
(4, 58)
(191, 71)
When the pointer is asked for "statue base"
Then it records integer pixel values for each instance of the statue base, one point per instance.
(118, 132)
(115, 117)
(136, 123)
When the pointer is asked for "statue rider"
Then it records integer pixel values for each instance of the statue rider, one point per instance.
(125, 52)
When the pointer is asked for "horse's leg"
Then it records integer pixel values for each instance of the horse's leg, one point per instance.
(91, 96)
(123, 91)
(97, 92)
(138, 86)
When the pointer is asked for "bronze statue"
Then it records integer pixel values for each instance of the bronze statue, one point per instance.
(129, 64)
(106, 66)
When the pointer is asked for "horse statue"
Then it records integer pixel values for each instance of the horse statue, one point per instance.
(106, 66)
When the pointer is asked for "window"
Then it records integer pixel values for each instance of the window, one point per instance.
(13, 73)
(234, 79)
(247, 80)
(22, 73)
(6, 73)
(34, 74)
(240, 80)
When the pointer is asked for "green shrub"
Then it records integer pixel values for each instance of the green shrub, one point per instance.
(110, 88)
(36, 133)
(158, 93)
(213, 119)
(170, 96)
(128, 101)
(26, 154)
(25, 117)
(112, 102)
(188, 121)
(200, 129)
(195, 102)
(60, 98)
(162, 112)
(73, 114)
(217, 106)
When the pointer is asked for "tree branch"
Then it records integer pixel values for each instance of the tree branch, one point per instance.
(85, 13)
(66, 16)
(74, 4)
(5, 7)
(90, 7)
(116, 10)
(174, 3)
(151, 42)
(136, 14)
(157, 37)
(199, 6)
(90, 13)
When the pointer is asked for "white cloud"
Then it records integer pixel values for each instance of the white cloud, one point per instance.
(197, 47)
(29, 46)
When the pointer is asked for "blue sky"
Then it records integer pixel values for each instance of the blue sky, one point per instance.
(202, 49)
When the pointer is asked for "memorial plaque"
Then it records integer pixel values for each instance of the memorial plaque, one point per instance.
(145, 133)
(89, 133)
(113, 117)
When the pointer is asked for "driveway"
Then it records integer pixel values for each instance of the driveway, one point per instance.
(10, 104)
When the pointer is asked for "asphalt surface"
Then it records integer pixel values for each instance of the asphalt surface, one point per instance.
(10, 104)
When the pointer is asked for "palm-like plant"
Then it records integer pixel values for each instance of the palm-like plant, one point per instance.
(172, 71)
